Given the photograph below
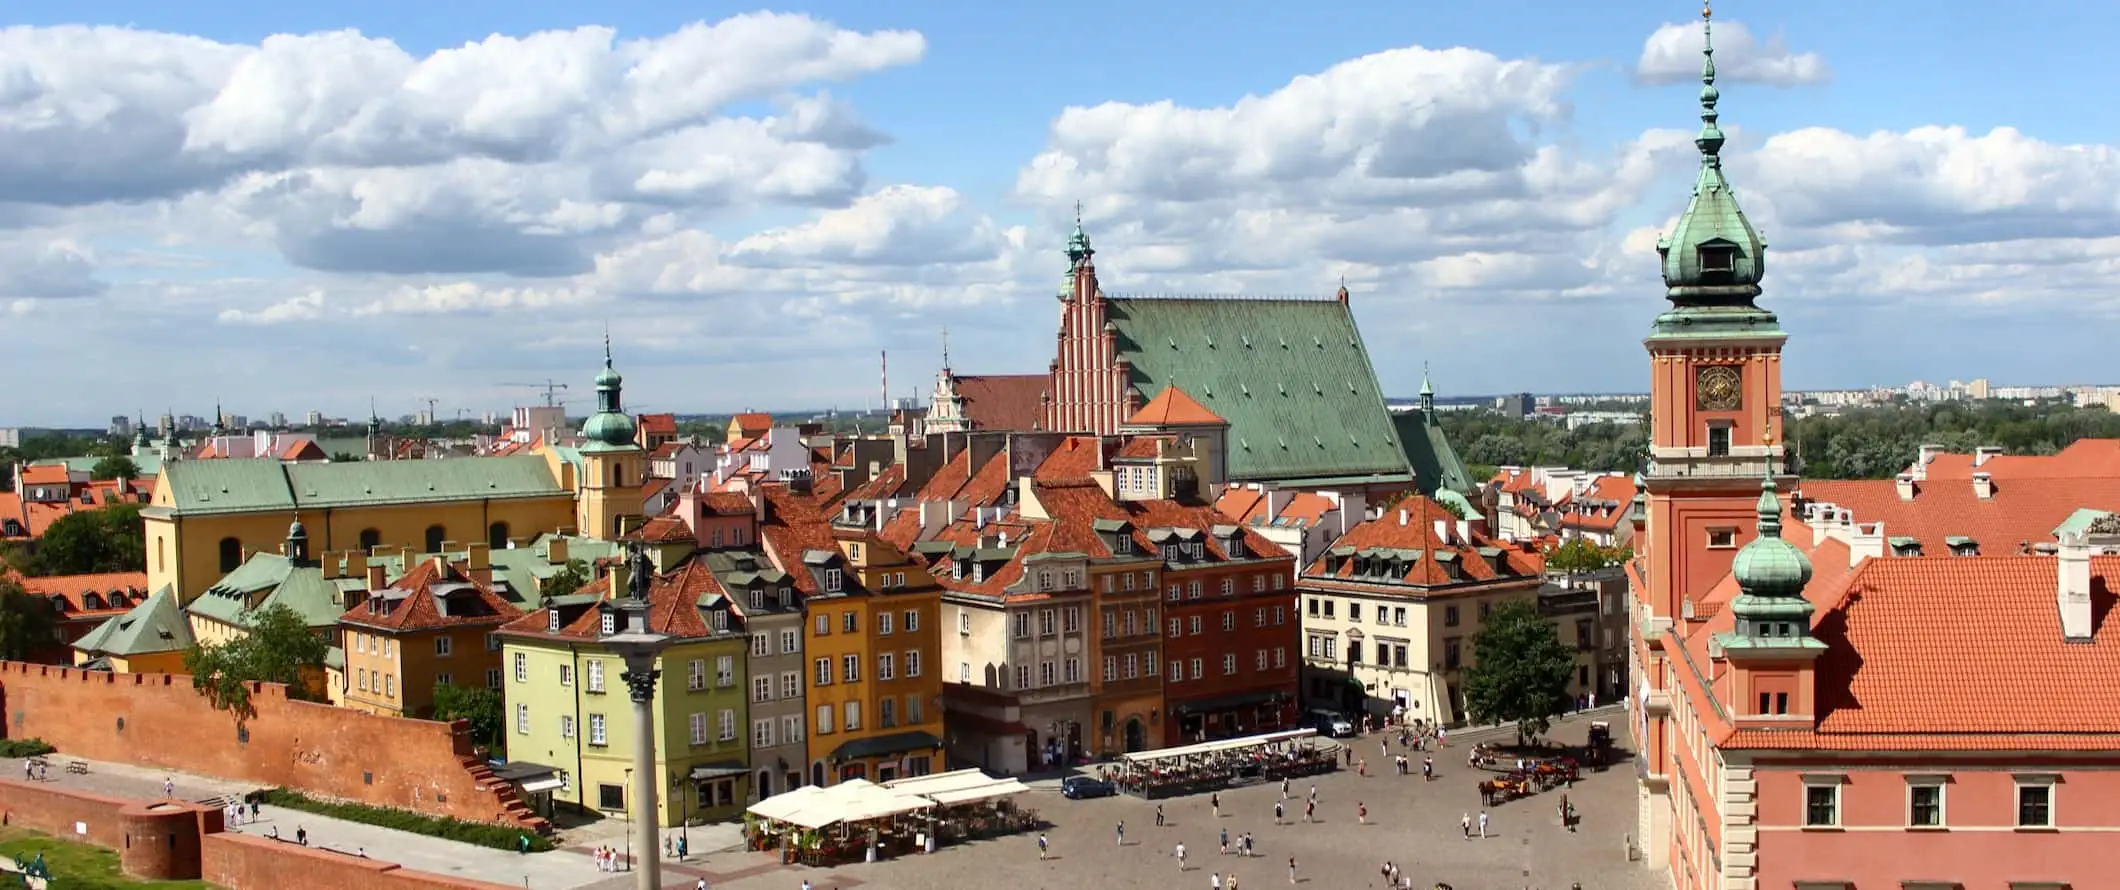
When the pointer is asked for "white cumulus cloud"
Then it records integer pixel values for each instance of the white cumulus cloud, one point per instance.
(1673, 55)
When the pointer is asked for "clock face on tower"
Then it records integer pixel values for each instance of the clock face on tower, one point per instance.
(1719, 388)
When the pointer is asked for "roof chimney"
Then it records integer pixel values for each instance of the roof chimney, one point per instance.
(1983, 486)
(1921, 464)
(1984, 452)
(1403, 517)
(376, 581)
(556, 551)
(2074, 590)
(1906, 486)
(1866, 543)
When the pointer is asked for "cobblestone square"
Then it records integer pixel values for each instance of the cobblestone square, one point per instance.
(1411, 822)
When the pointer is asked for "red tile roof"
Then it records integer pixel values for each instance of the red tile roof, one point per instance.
(1249, 506)
(750, 424)
(666, 450)
(2019, 510)
(74, 589)
(2083, 457)
(1071, 461)
(1172, 407)
(674, 602)
(665, 529)
(45, 474)
(419, 609)
(1418, 532)
(1073, 506)
(795, 523)
(1602, 507)
(1003, 401)
(658, 423)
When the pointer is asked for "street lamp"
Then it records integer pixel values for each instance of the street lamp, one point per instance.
(639, 646)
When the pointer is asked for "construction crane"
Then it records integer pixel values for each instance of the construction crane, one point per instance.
(550, 386)
(430, 402)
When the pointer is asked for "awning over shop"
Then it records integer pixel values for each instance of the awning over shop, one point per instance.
(532, 778)
(535, 786)
(895, 743)
(1224, 702)
(1220, 745)
(720, 769)
(958, 787)
(853, 800)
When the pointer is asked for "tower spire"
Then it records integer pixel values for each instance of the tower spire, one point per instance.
(945, 350)
(1713, 261)
(1710, 140)
(1427, 394)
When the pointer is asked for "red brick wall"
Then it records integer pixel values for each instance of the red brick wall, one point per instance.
(55, 811)
(159, 721)
(242, 862)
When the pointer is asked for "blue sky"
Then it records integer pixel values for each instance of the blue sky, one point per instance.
(1878, 276)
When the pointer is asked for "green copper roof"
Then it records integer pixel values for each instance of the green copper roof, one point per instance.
(242, 485)
(149, 463)
(1713, 260)
(266, 580)
(155, 625)
(610, 428)
(2079, 522)
(1770, 567)
(1436, 466)
(1290, 376)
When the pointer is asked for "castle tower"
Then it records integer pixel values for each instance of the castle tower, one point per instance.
(609, 502)
(1715, 387)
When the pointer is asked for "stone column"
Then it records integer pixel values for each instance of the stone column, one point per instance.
(640, 682)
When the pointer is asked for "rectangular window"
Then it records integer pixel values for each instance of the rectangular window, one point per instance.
(914, 715)
(522, 668)
(1175, 592)
(1260, 664)
(566, 726)
(596, 675)
(853, 715)
(761, 645)
(1193, 626)
(850, 622)
(762, 733)
(883, 624)
(1047, 676)
(762, 688)
(1111, 667)
(1199, 668)
(725, 670)
(1821, 804)
(791, 729)
(698, 725)
(1722, 538)
(1354, 612)
(824, 719)
(1177, 628)
(824, 625)
(1111, 620)
(832, 582)
(1229, 621)
(1073, 672)
(912, 618)
(1045, 622)
(850, 668)
(1072, 620)
(824, 671)
(1023, 676)
(1280, 615)
(886, 666)
(441, 646)
(1133, 665)
(1229, 586)
(1719, 440)
(493, 678)
(1149, 664)
(1229, 664)
(912, 662)
(566, 675)
(791, 684)
(1022, 621)
(1192, 590)
(1177, 670)
(696, 674)
(611, 798)
(727, 725)
(2035, 803)
(1280, 657)
(790, 642)
(886, 712)
(596, 730)
(1925, 804)
(1258, 617)
(1450, 616)
(522, 719)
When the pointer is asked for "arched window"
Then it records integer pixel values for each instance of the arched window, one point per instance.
(817, 774)
(435, 536)
(161, 554)
(370, 539)
(497, 536)
(619, 467)
(231, 554)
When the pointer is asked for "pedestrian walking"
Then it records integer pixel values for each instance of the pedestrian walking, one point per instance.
(1244, 847)
(1310, 811)
(1233, 882)
(1122, 834)
(254, 808)
(301, 835)
(1159, 815)
(1277, 812)
(1483, 823)
(1361, 812)
(1215, 801)
(1225, 841)
(805, 884)
(1214, 880)
(702, 885)
(169, 787)
(1313, 794)
(1284, 788)
(1362, 768)
(1181, 855)
(1428, 769)
(1465, 822)
(1041, 845)
(29, 771)
(1291, 869)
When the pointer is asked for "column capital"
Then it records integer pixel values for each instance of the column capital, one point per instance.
(640, 683)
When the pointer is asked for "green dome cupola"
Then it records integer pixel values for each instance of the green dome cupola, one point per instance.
(610, 428)
(1770, 609)
(1713, 260)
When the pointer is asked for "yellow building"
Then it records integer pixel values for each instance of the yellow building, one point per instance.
(568, 706)
(209, 516)
(608, 468)
(150, 638)
(874, 683)
(431, 628)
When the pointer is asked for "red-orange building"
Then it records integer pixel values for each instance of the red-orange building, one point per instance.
(1897, 684)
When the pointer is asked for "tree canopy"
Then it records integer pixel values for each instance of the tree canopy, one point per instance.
(279, 648)
(28, 623)
(116, 466)
(1520, 670)
(570, 578)
(113, 539)
(1584, 555)
(478, 705)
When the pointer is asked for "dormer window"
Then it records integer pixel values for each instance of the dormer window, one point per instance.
(758, 599)
(1718, 259)
(1126, 544)
(831, 580)
(721, 620)
(552, 621)
(609, 626)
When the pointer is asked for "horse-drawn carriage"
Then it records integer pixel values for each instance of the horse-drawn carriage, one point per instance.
(1504, 788)
(1543, 774)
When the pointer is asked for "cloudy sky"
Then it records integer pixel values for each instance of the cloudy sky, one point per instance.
(295, 206)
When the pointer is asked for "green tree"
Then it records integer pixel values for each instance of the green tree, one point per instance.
(1584, 555)
(115, 467)
(113, 539)
(570, 578)
(278, 648)
(28, 624)
(1520, 670)
(477, 704)
(345, 457)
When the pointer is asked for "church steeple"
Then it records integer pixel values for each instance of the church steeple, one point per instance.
(1713, 260)
(1770, 609)
(219, 424)
(610, 427)
(1427, 394)
(1078, 249)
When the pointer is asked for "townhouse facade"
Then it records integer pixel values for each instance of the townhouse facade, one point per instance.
(431, 628)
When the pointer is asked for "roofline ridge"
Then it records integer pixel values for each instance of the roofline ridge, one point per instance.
(1246, 297)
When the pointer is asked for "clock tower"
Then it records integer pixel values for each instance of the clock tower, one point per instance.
(1715, 408)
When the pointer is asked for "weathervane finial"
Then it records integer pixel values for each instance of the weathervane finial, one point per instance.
(1706, 11)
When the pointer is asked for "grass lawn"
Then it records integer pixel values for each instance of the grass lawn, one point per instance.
(79, 866)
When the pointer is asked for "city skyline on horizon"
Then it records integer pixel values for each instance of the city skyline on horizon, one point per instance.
(436, 203)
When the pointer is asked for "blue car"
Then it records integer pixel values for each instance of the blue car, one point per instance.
(1082, 787)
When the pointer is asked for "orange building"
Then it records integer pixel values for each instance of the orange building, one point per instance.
(431, 628)
(1858, 692)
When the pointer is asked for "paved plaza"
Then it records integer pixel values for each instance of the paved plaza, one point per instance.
(1411, 822)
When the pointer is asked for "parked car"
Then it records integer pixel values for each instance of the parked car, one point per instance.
(1082, 787)
(1329, 723)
